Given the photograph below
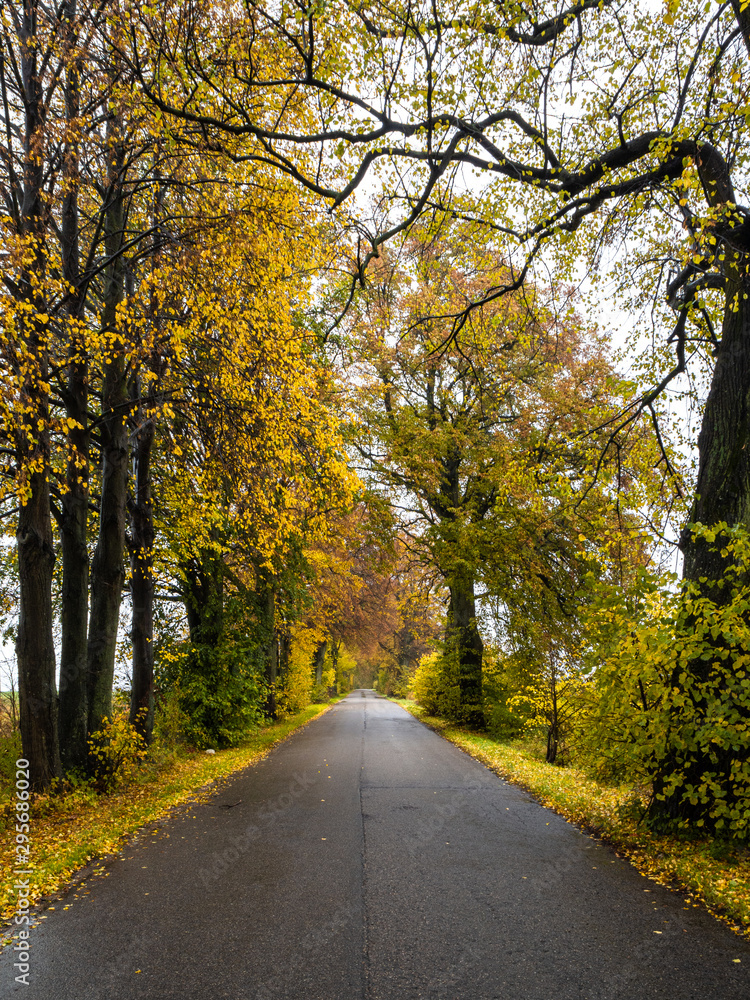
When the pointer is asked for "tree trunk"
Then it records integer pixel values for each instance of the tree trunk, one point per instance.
(463, 641)
(142, 584)
(285, 651)
(272, 652)
(553, 729)
(35, 649)
(319, 661)
(203, 593)
(75, 579)
(722, 495)
(74, 519)
(335, 647)
(107, 568)
(723, 486)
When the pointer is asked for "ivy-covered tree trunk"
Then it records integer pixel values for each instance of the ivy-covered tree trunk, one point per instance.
(722, 496)
(142, 584)
(107, 567)
(465, 648)
(335, 648)
(207, 691)
(285, 652)
(553, 720)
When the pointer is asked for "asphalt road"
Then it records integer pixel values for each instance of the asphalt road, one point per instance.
(368, 859)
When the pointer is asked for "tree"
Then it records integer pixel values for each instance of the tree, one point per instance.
(253, 471)
(352, 596)
(84, 177)
(418, 628)
(36, 56)
(484, 439)
(69, 167)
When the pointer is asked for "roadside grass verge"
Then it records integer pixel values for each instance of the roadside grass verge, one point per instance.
(711, 873)
(73, 828)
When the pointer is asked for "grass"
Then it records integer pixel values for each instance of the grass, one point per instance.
(69, 830)
(711, 873)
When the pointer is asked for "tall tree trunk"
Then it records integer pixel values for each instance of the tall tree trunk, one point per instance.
(35, 649)
(107, 567)
(75, 579)
(553, 727)
(272, 650)
(463, 641)
(722, 495)
(142, 581)
(285, 651)
(74, 519)
(142, 532)
(335, 647)
(723, 486)
(203, 593)
(319, 660)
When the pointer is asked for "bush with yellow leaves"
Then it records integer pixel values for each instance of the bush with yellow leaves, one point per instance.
(115, 751)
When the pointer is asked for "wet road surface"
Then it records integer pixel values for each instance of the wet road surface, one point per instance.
(368, 859)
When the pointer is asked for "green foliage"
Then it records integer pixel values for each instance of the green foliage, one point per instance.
(502, 720)
(673, 710)
(392, 682)
(169, 726)
(220, 693)
(319, 694)
(393, 679)
(10, 751)
(502, 678)
(115, 751)
(435, 688)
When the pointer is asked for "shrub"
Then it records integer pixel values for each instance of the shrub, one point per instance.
(10, 751)
(220, 694)
(427, 684)
(295, 685)
(115, 751)
(501, 679)
(673, 713)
